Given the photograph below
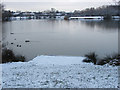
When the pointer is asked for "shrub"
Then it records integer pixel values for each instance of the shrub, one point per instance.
(115, 62)
(102, 62)
(20, 58)
(91, 57)
(87, 60)
(9, 56)
(111, 60)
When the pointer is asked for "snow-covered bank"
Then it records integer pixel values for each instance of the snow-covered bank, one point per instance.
(57, 60)
(58, 72)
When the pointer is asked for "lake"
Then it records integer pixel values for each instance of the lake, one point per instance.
(60, 37)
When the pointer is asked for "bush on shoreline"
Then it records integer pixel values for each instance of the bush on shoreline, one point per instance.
(9, 56)
(113, 60)
(90, 57)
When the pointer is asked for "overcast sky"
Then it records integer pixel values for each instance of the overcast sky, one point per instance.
(63, 5)
(57, 0)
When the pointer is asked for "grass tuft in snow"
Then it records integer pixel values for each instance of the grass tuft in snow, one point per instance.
(113, 60)
(91, 57)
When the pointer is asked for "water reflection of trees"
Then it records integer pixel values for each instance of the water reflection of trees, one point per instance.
(105, 25)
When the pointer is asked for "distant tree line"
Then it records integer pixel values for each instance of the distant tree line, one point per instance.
(100, 11)
(113, 10)
(110, 10)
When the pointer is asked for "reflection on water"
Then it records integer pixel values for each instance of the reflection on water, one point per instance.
(60, 37)
(104, 25)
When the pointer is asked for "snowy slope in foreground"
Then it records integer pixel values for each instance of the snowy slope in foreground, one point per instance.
(58, 72)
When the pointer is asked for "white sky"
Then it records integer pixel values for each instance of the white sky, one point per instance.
(62, 5)
(57, 0)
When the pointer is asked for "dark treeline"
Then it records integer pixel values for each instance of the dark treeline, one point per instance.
(113, 10)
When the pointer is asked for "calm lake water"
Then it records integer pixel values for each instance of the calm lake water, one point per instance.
(60, 37)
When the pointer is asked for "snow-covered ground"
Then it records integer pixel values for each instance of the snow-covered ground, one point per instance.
(58, 72)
